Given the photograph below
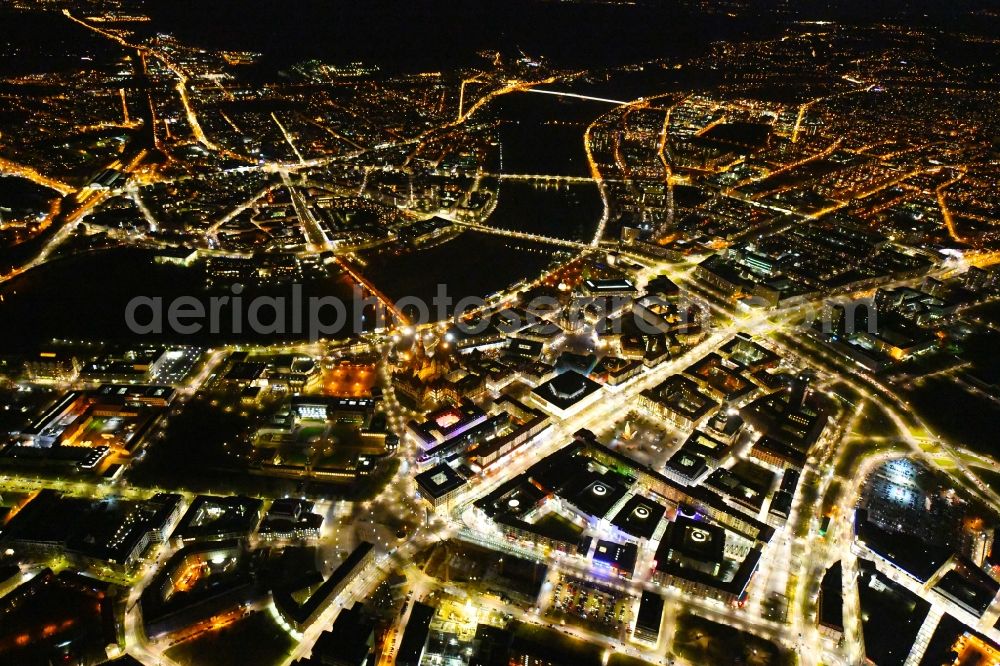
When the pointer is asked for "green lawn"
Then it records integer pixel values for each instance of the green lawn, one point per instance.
(702, 641)
(559, 527)
(557, 646)
(256, 639)
(989, 477)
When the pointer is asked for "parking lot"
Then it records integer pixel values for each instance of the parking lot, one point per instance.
(590, 605)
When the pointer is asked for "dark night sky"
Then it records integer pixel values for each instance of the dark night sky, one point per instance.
(425, 34)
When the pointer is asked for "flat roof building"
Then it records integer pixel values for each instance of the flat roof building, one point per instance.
(745, 492)
(969, 588)
(349, 641)
(414, 642)
(219, 518)
(831, 602)
(446, 424)
(566, 394)
(649, 618)
(619, 557)
(639, 517)
(439, 485)
(678, 400)
(301, 615)
(693, 544)
(778, 454)
(609, 287)
(686, 467)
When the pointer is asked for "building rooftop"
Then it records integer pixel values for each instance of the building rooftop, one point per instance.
(650, 613)
(610, 286)
(912, 554)
(565, 390)
(618, 556)
(415, 635)
(639, 517)
(739, 488)
(349, 641)
(682, 395)
(831, 598)
(211, 517)
(687, 465)
(721, 376)
(970, 588)
(694, 539)
(597, 495)
(301, 612)
(704, 445)
(439, 481)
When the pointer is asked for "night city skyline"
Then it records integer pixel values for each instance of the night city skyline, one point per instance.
(535, 332)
